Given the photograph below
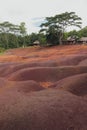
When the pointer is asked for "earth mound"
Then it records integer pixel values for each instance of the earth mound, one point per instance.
(46, 73)
(74, 84)
(83, 62)
(25, 86)
(43, 110)
(44, 88)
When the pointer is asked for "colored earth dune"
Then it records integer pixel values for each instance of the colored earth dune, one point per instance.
(44, 88)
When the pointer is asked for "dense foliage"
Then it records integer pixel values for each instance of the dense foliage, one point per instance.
(55, 26)
(14, 36)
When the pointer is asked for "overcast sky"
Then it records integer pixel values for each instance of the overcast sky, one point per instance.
(32, 12)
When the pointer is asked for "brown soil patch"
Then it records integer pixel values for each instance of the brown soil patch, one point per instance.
(42, 74)
(75, 84)
(83, 62)
(26, 87)
(44, 88)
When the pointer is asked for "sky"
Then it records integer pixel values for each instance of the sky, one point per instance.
(33, 12)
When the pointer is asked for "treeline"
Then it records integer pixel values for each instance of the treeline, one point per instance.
(8, 40)
(13, 40)
(14, 36)
(53, 31)
(78, 34)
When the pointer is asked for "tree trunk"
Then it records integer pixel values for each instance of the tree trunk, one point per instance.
(24, 43)
(60, 38)
(6, 40)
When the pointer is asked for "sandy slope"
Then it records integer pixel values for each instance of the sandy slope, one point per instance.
(44, 88)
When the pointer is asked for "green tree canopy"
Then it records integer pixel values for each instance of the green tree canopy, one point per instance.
(11, 31)
(83, 32)
(58, 24)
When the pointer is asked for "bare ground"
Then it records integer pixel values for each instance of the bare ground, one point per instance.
(44, 88)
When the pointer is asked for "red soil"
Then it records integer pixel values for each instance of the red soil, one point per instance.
(75, 84)
(44, 88)
(83, 62)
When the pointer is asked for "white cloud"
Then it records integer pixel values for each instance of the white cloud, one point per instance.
(17, 11)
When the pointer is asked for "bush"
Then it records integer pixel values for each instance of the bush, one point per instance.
(2, 50)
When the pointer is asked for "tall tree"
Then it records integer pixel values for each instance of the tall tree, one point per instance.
(59, 23)
(5, 29)
(83, 32)
(23, 31)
